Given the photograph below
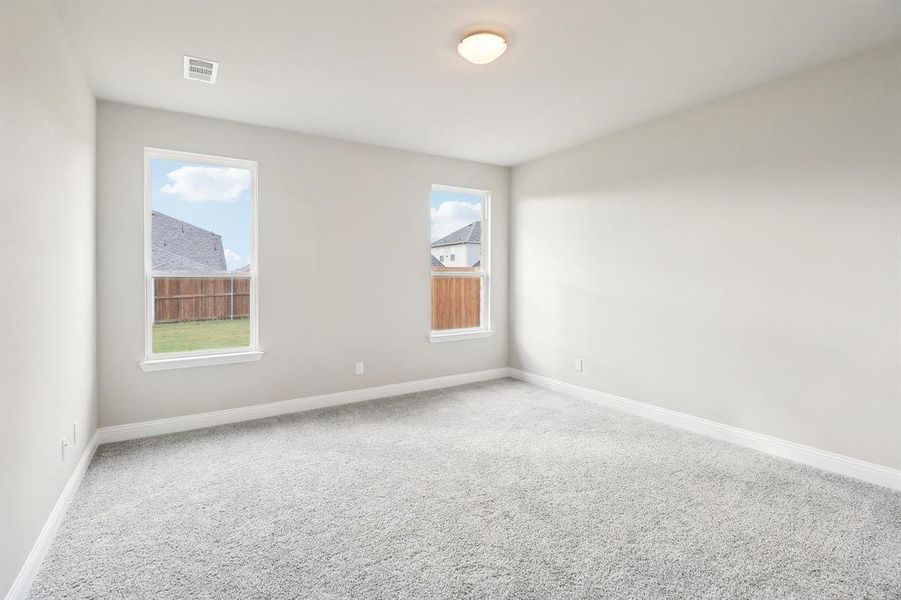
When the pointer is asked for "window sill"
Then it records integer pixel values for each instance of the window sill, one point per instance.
(185, 362)
(438, 338)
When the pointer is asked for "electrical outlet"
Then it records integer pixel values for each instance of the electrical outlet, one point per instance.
(62, 449)
(359, 367)
(578, 365)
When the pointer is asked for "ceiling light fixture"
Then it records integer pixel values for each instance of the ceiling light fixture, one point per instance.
(482, 47)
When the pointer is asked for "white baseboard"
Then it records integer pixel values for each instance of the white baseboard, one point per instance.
(118, 433)
(23, 581)
(814, 457)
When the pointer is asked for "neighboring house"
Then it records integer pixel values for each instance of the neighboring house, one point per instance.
(462, 248)
(180, 246)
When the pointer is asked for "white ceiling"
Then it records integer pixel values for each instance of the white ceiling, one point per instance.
(387, 73)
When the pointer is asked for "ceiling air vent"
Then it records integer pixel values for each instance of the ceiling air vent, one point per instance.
(200, 69)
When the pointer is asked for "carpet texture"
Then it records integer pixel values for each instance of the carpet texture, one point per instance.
(491, 490)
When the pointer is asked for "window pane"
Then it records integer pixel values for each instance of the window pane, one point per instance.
(192, 314)
(200, 217)
(456, 302)
(456, 231)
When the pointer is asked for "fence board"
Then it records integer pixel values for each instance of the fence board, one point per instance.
(200, 299)
(456, 302)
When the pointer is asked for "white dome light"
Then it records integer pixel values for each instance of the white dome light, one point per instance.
(482, 47)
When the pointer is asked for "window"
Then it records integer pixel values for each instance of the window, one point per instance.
(460, 228)
(200, 260)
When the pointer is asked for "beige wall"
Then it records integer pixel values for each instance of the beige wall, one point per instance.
(738, 261)
(344, 245)
(47, 284)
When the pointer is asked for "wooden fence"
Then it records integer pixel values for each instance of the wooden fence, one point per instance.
(456, 302)
(181, 299)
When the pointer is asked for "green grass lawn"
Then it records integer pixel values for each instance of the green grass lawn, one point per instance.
(201, 335)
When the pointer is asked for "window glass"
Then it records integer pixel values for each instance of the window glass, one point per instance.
(458, 271)
(201, 254)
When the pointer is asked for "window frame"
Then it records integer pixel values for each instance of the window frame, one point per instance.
(484, 273)
(198, 358)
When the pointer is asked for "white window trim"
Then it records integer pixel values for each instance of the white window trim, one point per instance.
(184, 362)
(202, 358)
(459, 335)
(484, 330)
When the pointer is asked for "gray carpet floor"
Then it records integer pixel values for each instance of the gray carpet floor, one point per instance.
(491, 490)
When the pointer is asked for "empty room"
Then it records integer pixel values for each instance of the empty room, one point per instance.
(448, 299)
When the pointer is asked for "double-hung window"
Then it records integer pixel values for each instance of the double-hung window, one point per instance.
(460, 263)
(200, 260)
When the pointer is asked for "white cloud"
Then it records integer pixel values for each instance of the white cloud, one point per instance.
(453, 215)
(233, 260)
(207, 184)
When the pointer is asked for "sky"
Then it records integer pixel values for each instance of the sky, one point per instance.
(453, 210)
(218, 199)
(211, 197)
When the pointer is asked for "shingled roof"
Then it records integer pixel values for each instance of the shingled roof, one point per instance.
(180, 246)
(471, 234)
